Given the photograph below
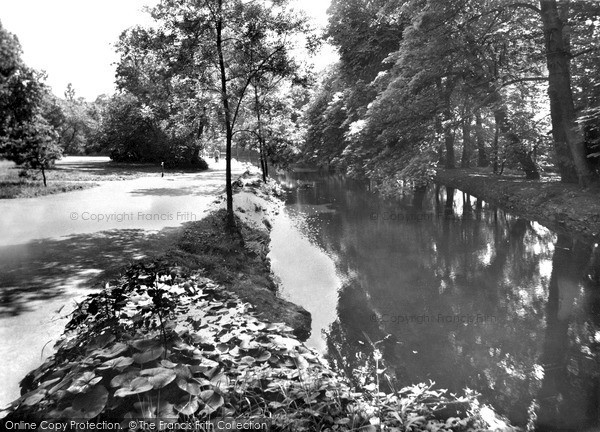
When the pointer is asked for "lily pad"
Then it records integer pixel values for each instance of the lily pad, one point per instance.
(159, 377)
(84, 383)
(220, 381)
(262, 355)
(136, 386)
(34, 399)
(213, 401)
(148, 355)
(168, 364)
(247, 360)
(89, 405)
(190, 386)
(112, 352)
(124, 380)
(102, 340)
(188, 405)
(145, 344)
(183, 371)
(118, 363)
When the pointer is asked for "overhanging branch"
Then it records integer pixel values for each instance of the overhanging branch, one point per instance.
(525, 5)
(525, 79)
(585, 51)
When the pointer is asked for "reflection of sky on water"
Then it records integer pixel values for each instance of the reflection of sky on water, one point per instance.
(312, 280)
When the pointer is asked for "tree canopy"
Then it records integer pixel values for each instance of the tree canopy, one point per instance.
(421, 83)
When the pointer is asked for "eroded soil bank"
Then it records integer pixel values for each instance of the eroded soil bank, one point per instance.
(239, 261)
(558, 206)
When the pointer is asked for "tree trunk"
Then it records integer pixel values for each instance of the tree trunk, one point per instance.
(568, 137)
(228, 125)
(523, 157)
(261, 146)
(449, 141)
(266, 165)
(44, 175)
(496, 145)
(440, 131)
(198, 147)
(482, 160)
(447, 119)
(467, 144)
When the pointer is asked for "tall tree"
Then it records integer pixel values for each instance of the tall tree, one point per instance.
(568, 136)
(224, 46)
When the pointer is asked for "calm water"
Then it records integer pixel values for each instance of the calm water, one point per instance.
(458, 292)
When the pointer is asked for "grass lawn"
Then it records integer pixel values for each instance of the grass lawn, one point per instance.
(73, 173)
(14, 186)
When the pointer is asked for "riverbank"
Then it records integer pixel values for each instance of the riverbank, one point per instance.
(175, 341)
(556, 205)
(239, 262)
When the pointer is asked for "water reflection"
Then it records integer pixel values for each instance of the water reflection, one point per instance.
(462, 294)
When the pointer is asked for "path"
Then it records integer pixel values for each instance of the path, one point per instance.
(53, 250)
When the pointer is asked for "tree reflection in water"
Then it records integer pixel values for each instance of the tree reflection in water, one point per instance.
(526, 300)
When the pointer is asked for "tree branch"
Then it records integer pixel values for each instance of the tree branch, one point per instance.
(525, 79)
(249, 80)
(247, 131)
(585, 51)
(526, 6)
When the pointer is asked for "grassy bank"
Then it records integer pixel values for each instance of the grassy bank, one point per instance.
(198, 337)
(556, 205)
(14, 185)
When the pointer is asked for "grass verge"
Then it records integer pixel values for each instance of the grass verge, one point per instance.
(30, 189)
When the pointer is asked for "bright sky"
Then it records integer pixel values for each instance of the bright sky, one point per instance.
(72, 39)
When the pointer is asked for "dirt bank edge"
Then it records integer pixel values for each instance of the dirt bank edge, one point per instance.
(242, 267)
(558, 206)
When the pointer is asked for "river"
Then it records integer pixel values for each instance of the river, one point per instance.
(451, 290)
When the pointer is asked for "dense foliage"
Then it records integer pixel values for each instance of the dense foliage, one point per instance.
(426, 84)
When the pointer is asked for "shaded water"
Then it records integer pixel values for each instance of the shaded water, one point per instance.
(458, 292)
